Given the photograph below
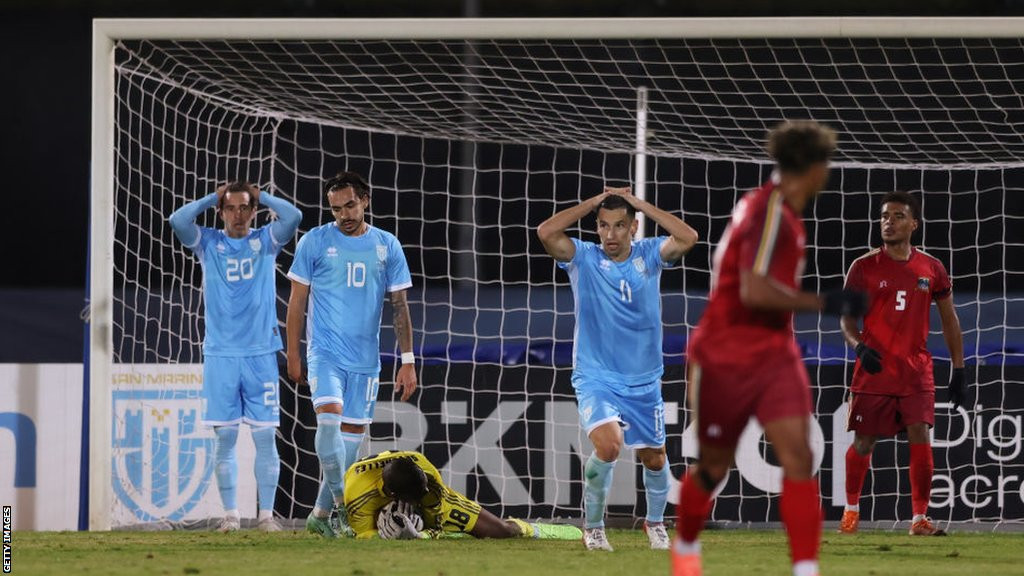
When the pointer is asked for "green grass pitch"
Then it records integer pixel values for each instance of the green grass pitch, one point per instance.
(726, 552)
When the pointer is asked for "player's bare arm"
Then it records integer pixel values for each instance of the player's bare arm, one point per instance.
(851, 330)
(951, 332)
(954, 341)
(552, 231)
(405, 381)
(681, 237)
(294, 324)
(870, 359)
(764, 293)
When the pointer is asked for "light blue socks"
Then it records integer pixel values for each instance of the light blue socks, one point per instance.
(226, 465)
(656, 483)
(330, 449)
(267, 466)
(597, 479)
(352, 444)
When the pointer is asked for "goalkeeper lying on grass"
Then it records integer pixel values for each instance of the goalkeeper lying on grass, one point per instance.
(400, 495)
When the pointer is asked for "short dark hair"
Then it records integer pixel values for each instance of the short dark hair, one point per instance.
(234, 187)
(901, 197)
(797, 145)
(404, 479)
(343, 180)
(615, 202)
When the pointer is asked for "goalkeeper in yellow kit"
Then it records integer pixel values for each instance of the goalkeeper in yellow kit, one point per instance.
(410, 481)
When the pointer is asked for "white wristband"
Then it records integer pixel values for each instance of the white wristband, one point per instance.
(408, 358)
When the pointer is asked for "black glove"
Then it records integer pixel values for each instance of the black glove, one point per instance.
(870, 359)
(956, 387)
(845, 303)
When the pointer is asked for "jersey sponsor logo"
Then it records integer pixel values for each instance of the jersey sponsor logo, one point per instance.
(221, 247)
(606, 264)
(923, 284)
(882, 284)
(714, 431)
(638, 263)
(255, 244)
(163, 457)
(332, 252)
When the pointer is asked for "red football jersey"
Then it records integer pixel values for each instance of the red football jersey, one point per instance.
(896, 324)
(766, 237)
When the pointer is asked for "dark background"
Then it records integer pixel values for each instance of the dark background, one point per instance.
(47, 67)
(46, 108)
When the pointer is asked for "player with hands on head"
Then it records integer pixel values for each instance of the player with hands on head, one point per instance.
(341, 273)
(240, 376)
(893, 388)
(743, 359)
(617, 355)
(399, 495)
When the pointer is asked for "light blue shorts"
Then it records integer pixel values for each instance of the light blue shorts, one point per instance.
(241, 389)
(356, 392)
(640, 410)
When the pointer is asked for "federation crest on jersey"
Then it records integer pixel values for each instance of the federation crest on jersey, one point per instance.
(640, 266)
(255, 244)
(382, 252)
(162, 457)
(923, 284)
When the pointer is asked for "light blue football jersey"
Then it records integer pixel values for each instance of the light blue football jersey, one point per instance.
(348, 278)
(239, 292)
(618, 331)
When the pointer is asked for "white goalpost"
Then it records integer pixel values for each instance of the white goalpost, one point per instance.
(473, 131)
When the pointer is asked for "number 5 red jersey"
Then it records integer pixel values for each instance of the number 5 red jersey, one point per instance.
(896, 325)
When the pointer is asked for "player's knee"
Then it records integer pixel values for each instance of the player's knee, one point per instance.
(653, 460)
(353, 428)
(331, 408)
(607, 452)
(798, 464)
(710, 476)
(863, 445)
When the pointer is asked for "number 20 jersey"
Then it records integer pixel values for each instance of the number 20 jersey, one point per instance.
(896, 324)
(348, 277)
(239, 292)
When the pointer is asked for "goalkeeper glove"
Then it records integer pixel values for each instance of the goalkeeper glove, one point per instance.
(408, 532)
(390, 525)
(870, 359)
(844, 303)
(956, 387)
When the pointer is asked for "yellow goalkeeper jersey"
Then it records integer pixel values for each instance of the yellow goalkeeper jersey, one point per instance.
(443, 509)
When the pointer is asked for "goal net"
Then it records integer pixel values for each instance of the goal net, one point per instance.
(471, 133)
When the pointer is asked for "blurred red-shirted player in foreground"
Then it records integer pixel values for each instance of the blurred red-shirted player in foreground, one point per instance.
(743, 357)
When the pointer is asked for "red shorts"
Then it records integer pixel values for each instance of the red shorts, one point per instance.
(725, 396)
(878, 415)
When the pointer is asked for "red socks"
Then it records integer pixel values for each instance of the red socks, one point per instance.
(921, 468)
(856, 469)
(692, 510)
(800, 507)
